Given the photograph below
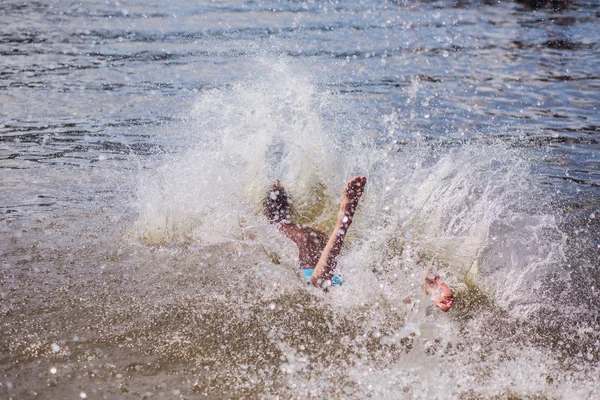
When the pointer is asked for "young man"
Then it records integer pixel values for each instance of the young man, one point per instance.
(319, 254)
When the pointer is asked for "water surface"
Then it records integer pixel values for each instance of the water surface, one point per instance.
(137, 142)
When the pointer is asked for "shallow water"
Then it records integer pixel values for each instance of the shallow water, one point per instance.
(137, 142)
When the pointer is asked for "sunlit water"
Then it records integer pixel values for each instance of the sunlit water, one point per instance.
(138, 141)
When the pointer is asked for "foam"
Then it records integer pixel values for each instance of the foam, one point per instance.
(469, 210)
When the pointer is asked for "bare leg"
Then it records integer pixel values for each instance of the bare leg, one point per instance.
(310, 242)
(325, 268)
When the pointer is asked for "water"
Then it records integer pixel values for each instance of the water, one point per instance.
(138, 139)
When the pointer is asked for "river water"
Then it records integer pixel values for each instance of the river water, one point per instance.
(138, 139)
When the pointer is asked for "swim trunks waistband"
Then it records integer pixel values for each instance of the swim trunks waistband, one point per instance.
(335, 281)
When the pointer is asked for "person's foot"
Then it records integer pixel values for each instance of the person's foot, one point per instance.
(352, 193)
(277, 204)
(438, 290)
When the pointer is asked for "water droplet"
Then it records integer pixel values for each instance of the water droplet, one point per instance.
(53, 370)
(83, 395)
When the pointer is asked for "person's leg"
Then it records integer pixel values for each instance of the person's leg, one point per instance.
(325, 267)
(310, 242)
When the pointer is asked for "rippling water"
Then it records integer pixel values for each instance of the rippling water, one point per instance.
(137, 142)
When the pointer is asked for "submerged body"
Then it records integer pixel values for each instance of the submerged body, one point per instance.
(319, 255)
